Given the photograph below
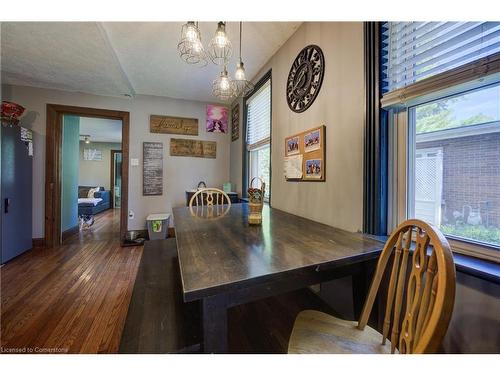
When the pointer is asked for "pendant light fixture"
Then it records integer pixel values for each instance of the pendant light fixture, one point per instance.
(222, 87)
(190, 47)
(220, 48)
(241, 86)
(219, 52)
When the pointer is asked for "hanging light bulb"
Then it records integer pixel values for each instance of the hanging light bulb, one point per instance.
(241, 86)
(239, 74)
(191, 32)
(190, 47)
(221, 39)
(222, 87)
(220, 49)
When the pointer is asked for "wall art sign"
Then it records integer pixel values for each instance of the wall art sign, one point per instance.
(305, 78)
(173, 125)
(194, 148)
(216, 119)
(235, 122)
(92, 154)
(152, 170)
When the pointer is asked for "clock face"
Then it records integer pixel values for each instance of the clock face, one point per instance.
(305, 78)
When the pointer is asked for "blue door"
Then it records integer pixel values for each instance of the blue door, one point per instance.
(16, 198)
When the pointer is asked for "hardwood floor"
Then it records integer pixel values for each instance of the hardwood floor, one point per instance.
(70, 299)
(74, 299)
(105, 227)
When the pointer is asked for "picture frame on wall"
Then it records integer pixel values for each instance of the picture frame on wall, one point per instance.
(314, 169)
(217, 121)
(292, 146)
(235, 122)
(92, 154)
(312, 141)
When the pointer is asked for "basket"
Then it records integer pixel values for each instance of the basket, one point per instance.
(256, 201)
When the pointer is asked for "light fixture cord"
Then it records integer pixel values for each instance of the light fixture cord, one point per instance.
(240, 41)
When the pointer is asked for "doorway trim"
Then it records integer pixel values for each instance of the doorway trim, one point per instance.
(112, 176)
(53, 157)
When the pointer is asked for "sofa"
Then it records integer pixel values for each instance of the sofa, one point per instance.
(93, 208)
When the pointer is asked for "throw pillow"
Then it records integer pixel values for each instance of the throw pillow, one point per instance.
(92, 191)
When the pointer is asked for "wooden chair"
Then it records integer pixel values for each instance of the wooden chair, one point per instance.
(209, 203)
(429, 286)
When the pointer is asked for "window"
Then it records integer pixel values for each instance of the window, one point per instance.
(258, 137)
(454, 179)
(443, 101)
(414, 51)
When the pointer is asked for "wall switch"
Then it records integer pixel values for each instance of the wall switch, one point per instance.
(134, 162)
(131, 214)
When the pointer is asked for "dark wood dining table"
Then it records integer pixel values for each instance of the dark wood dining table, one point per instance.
(226, 262)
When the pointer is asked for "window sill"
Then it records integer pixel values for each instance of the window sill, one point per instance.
(470, 265)
(480, 268)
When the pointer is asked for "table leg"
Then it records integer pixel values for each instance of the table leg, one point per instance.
(361, 279)
(358, 293)
(215, 324)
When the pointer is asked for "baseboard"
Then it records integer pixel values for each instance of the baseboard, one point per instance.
(38, 242)
(69, 232)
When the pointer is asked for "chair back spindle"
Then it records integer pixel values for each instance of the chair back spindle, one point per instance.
(209, 203)
(418, 324)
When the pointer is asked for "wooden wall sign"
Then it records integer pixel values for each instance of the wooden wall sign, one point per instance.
(173, 125)
(308, 150)
(235, 122)
(194, 148)
(152, 172)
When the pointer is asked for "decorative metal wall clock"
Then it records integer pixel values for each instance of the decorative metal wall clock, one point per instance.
(305, 78)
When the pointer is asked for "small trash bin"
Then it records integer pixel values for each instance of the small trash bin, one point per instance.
(158, 226)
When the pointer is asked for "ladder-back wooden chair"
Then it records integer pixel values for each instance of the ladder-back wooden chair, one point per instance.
(429, 287)
(209, 203)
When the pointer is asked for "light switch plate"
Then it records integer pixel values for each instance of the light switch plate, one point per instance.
(134, 162)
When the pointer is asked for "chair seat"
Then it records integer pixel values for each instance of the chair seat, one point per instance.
(315, 332)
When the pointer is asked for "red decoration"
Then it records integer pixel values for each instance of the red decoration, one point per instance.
(10, 112)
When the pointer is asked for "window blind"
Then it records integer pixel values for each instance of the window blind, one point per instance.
(259, 117)
(413, 51)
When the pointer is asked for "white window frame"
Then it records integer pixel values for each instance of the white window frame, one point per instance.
(401, 161)
(253, 167)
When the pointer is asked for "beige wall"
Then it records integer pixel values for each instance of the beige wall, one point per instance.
(180, 173)
(339, 106)
(97, 173)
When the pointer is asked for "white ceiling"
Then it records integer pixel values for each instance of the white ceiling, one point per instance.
(101, 130)
(126, 58)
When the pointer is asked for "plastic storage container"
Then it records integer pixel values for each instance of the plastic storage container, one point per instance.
(158, 226)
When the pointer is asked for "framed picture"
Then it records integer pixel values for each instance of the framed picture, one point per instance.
(92, 154)
(314, 169)
(312, 141)
(292, 146)
(216, 119)
(235, 122)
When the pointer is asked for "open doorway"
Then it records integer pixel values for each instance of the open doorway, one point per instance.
(63, 189)
(116, 178)
(91, 178)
